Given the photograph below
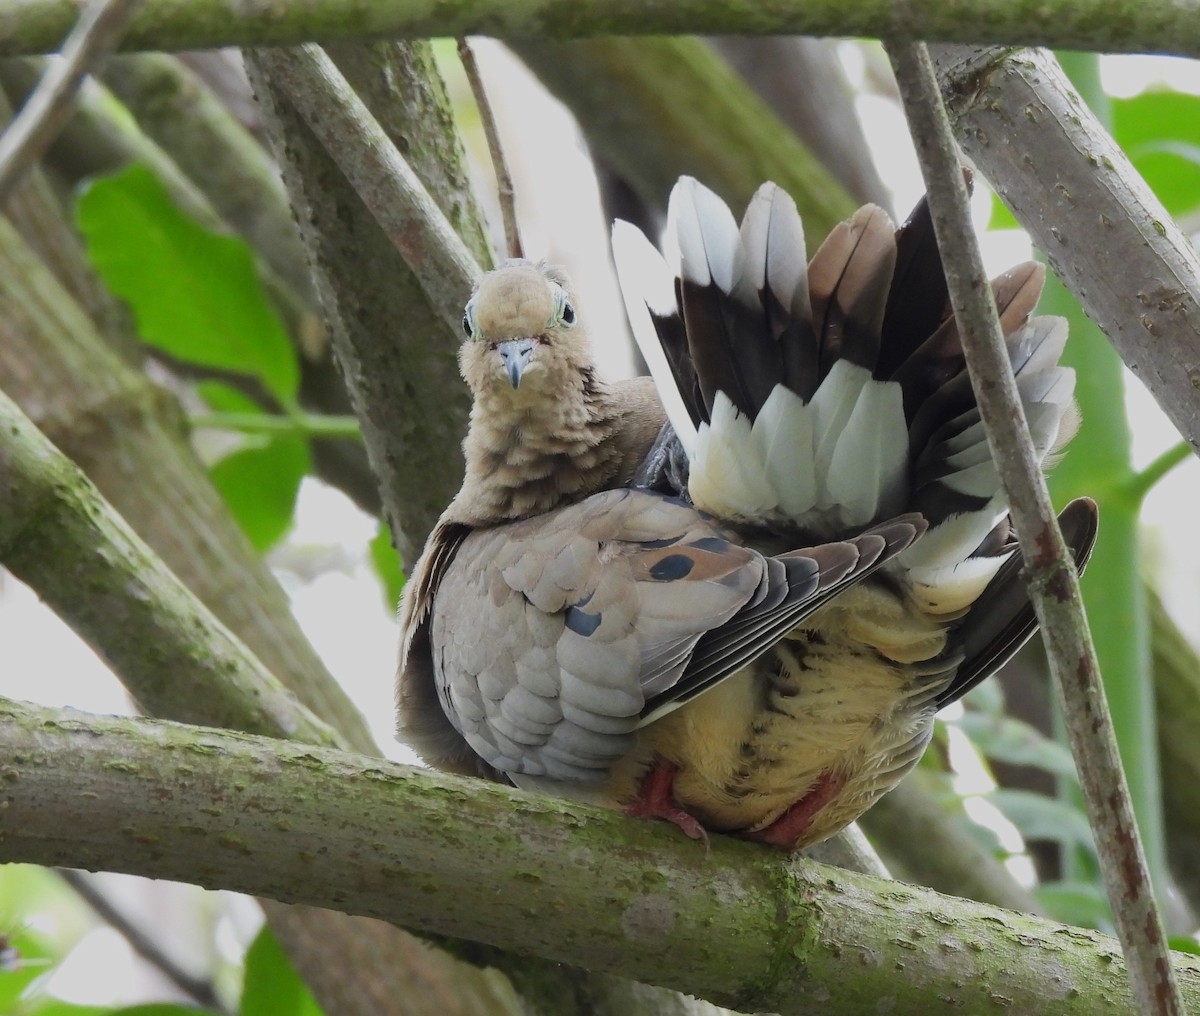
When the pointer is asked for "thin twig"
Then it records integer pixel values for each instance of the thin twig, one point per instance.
(50, 105)
(504, 184)
(141, 942)
(1051, 576)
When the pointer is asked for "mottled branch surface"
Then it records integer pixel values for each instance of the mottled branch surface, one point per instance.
(395, 329)
(395, 323)
(1103, 231)
(1166, 26)
(738, 924)
(168, 644)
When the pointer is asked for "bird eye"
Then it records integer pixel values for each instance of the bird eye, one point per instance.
(564, 312)
(466, 326)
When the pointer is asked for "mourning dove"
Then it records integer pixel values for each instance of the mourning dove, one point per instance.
(771, 664)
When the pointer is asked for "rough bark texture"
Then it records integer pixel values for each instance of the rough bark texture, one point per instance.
(1049, 571)
(1103, 231)
(53, 521)
(397, 350)
(406, 414)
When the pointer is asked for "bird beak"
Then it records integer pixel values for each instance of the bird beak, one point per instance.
(515, 353)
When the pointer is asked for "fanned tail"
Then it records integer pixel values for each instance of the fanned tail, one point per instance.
(824, 397)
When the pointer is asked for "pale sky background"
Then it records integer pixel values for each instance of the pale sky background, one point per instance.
(343, 611)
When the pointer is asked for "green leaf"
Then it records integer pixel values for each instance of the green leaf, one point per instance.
(1160, 131)
(1006, 739)
(1043, 818)
(259, 484)
(195, 294)
(272, 987)
(159, 1009)
(387, 564)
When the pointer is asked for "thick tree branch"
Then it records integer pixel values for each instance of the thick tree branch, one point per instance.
(42, 219)
(116, 424)
(388, 186)
(168, 644)
(1103, 231)
(353, 193)
(1050, 574)
(737, 924)
(1165, 26)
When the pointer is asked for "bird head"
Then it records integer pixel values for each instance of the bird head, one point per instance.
(523, 337)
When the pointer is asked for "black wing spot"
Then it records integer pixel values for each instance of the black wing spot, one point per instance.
(581, 622)
(672, 567)
(713, 543)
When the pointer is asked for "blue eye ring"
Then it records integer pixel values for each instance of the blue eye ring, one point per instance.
(470, 326)
(564, 311)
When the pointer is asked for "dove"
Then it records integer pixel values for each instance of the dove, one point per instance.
(752, 638)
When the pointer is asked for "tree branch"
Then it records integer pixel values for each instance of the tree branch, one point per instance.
(113, 421)
(50, 105)
(505, 194)
(52, 520)
(353, 191)
(736, 924)
(1164, 26)
(1103, 231)
(1050, 574)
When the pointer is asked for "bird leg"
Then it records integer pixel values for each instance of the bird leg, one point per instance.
(791, 826)
(656, 799)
